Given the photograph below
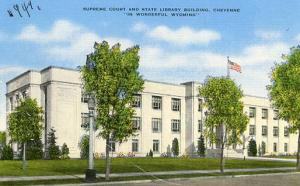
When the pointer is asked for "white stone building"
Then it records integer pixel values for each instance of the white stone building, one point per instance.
(164, 111)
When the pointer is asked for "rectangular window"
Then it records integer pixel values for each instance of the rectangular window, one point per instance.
(137, 101)
(264, 113)
(84, 120)
(156, 124)
(112, 146)
(24, 94)
(175, 104)
(175, 125)
(200, 104)
(275, 147)
(84, 97)
(286, 131)
(252, 130)
(275, 131)
(11, 103)
(275, 117)
(285, 147)
(200, 126)
(264, 130)
(252, 112)
(155, 145)
(156, 102)
(135, 145)
(136, 123)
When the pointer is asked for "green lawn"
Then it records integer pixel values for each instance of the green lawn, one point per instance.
(284, 157)
(119, 165)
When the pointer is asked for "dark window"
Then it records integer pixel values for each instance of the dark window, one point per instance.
(264, 130)
(84, 120)
(264, 113)
(155, 145)
(200, 126)
(275, 131)
(175, 125)
(135, 145)
(275, 117)
(156, 102)
(286, 131)
(175, 103)
(136, 122)
(137, 101)
(112, 146)
(200, 105)
(252, 112)
(156, 124)
(252, 130)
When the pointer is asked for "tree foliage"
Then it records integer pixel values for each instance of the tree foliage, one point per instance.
(6, 153)
(34, 149)
(64, 152)
(263, 148)
(53, 149)
(201, 146)
(284, 91)
(84, 147)
(2, 138)
(24, 123)
(175, 147)
(222, 99)
(113, 80)
(252, 148)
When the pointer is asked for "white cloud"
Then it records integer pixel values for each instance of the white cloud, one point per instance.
(11, 69)
(66, 41)
(181, 36)
(268, 35)
(140, 27)
(297, 37)
(262, 53)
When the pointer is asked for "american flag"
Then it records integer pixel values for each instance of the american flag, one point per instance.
(234, 66)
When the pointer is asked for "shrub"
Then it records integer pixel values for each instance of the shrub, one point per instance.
(164, 155)
(130, 155)
(263, 148)
(84, 147)
(53, 149)
(6, 153)
(120, 155)
(175, 147)
(151, 154)
(64, 151)
(252, 149)
(34, 150)
(201, 146)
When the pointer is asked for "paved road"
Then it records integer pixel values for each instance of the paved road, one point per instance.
(280, 179)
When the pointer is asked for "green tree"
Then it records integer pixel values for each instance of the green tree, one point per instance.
(252, 148)
(6, 153)
(84, 147)
(24, 123)
(34, 149)
(263, 148)
(2, 138)
(53, 149)
(284, 91)
(201, 146)
(175, 147)
(65, 151)
(113, 80)
(222, 98)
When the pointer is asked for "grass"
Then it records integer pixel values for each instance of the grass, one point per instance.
(284, 157)
(121, 165)
(74, 181)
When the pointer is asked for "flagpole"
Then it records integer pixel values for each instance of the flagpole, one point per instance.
(228, 70)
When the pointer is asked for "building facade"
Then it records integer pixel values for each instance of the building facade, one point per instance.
(164, 111)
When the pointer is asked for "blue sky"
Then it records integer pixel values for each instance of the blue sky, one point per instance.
(173, 49)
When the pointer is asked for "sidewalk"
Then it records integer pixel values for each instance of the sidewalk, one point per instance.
(64, 177)
(271, 159)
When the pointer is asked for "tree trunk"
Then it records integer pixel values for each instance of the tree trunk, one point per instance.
(24, 156)
(298, 163)
(222, 161)
(107, 159)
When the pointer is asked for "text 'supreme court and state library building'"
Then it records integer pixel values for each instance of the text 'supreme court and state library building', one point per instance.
(164, 111)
